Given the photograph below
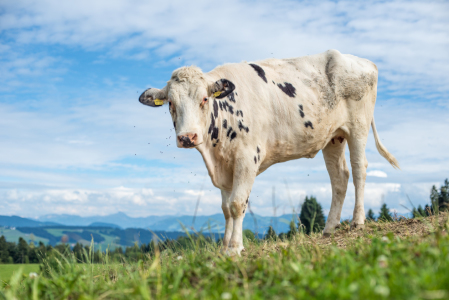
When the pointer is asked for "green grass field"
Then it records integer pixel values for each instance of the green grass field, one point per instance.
(7, 270)
(401, 260)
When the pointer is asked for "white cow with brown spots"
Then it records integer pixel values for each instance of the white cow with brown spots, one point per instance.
(245, 117)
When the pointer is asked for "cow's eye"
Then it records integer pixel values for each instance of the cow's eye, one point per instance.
(203, 102)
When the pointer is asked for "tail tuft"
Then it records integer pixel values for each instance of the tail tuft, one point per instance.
(382, 150)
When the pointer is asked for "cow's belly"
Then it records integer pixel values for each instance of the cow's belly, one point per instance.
(279, 155)
(297, 144)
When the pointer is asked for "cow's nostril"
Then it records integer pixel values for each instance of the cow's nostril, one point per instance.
(194, 137)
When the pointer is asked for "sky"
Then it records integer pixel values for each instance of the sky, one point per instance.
(75, 140)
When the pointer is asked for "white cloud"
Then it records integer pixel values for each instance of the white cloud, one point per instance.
(408, 40)
(377, 173)
(194, 193)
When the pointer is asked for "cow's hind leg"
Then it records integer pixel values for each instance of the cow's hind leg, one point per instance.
(334, 156)
(225, 206)
(359, 163)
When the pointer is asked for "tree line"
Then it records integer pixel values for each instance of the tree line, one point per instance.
(24, 253)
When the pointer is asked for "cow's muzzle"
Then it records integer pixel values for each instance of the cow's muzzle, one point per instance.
(188, 140)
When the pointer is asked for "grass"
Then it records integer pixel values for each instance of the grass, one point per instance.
(7, 270)
(401, 260)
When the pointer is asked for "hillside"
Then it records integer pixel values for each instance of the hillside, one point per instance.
(104, 237)
(407, 259)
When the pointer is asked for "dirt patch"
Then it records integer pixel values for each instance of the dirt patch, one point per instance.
(404, 228)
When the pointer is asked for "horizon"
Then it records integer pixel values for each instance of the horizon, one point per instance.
(123, 213)
(75, 139)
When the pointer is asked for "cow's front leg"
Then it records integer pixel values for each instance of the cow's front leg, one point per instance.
(243, 180)
(225, 206)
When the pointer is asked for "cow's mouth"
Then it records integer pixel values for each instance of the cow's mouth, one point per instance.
(186, 142)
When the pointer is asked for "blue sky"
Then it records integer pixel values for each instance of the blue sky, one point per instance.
(74, 139)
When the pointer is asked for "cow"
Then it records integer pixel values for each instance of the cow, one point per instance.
(245, 117)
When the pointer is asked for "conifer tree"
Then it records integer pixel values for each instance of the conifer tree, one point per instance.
(311, 215)
(282, 236)
(443, 198)
(384, 213)
(421, 211)
(418, 212)
(434, 200)
(293, 230)
(428, 210)
(440, 200)
(370, 216)
(22, 250)
(271, 234)
(4, 253)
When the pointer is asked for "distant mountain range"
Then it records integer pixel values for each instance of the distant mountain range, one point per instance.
(213, 223)
(15, 221)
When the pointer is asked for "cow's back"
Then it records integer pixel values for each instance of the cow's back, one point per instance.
(293, 106)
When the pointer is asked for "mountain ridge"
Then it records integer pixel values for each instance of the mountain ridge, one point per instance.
(210, 223)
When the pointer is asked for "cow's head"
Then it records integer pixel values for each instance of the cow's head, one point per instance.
(189, 93)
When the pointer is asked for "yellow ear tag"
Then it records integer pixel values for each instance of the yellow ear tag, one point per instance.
(158, 102)
(216, 94)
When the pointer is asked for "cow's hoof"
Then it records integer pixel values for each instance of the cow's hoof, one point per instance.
(330, 229)
(357, 226)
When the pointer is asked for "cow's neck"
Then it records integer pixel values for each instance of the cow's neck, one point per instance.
(209, 159)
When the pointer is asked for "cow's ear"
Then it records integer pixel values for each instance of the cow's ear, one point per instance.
(153, 97)
(221, 88)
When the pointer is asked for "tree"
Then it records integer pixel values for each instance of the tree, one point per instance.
(311, 215)
(370, 216)
(418, 212)
(271, 234)
(444, 196)
(4, 253)
(22, 250)
(434, 203)
(384, 213)
(249, 235)
(428, 210)
(440, 200)
(283, 236)
(293, 230)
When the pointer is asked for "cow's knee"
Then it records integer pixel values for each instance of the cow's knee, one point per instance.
(238, 208)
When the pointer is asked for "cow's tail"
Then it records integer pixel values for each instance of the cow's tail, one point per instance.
(382, 150)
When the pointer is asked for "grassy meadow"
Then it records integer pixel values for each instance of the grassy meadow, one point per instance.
(408, 259)
(7, 270)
